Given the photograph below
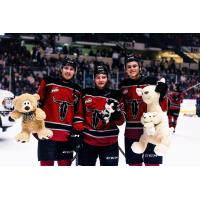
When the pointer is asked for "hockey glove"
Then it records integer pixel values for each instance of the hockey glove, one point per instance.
(117, 113)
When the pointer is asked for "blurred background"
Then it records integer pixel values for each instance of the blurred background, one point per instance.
(26, 58)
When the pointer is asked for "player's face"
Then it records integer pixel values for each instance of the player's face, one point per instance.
(101, 80)
(67, 72)
(133, 70)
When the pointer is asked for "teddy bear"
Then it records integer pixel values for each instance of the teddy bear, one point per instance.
(25, 106)
(161, 137)
(149, 120)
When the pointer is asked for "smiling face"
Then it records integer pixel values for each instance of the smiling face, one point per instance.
(101, 81)
(67, 72)
(133, 70)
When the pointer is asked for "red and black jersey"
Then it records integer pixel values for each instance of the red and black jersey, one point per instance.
(175, 100)
(134, 106)
(96, 131)
(62, 103)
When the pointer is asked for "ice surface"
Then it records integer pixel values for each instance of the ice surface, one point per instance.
(184, 149)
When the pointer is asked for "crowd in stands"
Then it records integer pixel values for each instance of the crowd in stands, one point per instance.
(21, 69)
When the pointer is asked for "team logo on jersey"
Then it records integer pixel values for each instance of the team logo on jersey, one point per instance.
(125, 91)
(135, 108)
(89, 100)
(63, 107)
(95, 119)
(54, 90)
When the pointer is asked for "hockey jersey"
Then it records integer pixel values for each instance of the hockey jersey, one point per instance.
(61, 101)
(96, 131)
(175, 100)
(134, 106)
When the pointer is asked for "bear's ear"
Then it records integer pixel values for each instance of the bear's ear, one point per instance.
(144, 114)
(139, 91)
(37, 96)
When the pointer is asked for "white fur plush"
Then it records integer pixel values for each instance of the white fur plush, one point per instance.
(149, 120)
(161, 137)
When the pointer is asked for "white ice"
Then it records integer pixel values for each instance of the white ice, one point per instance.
(184, 149)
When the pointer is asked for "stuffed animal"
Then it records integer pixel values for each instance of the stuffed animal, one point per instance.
(25, 106)
(161, 138)
(149, 120)
(110, 107)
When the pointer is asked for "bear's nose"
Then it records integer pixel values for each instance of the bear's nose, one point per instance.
(146, 92)
(27, 108)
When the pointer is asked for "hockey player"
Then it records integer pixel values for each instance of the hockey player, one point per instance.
(6, 106)
(134, 108)
(175, 97)
(102, 114)
(61, 101)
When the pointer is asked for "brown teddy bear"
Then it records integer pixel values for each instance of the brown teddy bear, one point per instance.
(25, 106)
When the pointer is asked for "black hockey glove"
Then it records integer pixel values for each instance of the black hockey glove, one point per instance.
(116, 115)
(162, 89)
(76, 139)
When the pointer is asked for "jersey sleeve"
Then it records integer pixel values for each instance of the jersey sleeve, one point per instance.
(121, 113)
(164, 104)
(42, 90)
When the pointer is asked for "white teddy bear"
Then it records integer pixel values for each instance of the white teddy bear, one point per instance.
(150, 120)
(162, 136)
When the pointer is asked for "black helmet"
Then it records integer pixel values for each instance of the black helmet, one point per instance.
(100, 69)
(130, 58)
(69, 61)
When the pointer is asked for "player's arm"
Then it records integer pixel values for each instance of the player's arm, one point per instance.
(42, 91)
(119, 115)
